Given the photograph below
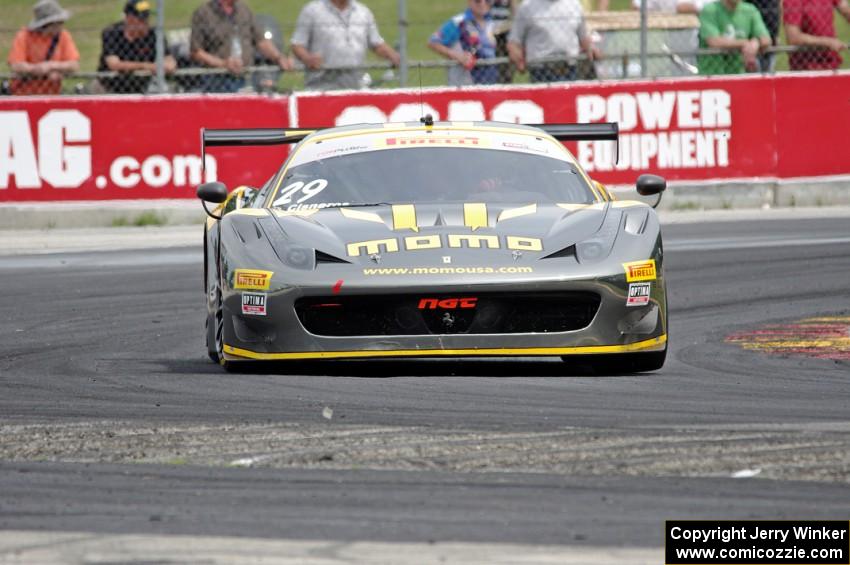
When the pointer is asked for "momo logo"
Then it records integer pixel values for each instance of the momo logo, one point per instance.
(435, 241)
(447, 303)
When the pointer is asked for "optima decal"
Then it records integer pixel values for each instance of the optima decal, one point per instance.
(638, 294)
(637, 271)
(247, 279)
(254, 304)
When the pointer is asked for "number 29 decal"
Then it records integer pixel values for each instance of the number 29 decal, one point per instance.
(307, 191)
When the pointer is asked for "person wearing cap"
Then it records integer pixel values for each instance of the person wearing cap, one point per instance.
(43, 52)
(225, 36)
(130, 46)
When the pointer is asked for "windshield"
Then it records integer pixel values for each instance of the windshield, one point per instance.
(430, 174)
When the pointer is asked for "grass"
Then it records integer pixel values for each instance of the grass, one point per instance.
(685, 206)
(144, 219)
(424, 16)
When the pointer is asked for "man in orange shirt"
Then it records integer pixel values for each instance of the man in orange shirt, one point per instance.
(43, 52)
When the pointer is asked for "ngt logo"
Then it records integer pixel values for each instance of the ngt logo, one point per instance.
(452, 240)
(447, 303)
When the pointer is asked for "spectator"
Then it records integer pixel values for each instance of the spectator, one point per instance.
(224, 36)
(769, 10)
(336, 33)
(502, 13)
(546, 38)
(467, 38)
(810, 22)
(130, 46)
(43, 52)
(731, 24)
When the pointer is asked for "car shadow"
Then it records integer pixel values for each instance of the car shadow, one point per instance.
(389, 368)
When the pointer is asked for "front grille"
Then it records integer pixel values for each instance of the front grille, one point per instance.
(491, 313)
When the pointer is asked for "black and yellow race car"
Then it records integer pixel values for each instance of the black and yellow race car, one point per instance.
(433, 239)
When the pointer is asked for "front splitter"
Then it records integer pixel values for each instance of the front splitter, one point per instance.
(649, 345)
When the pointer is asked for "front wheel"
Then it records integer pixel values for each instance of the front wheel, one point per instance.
(615, 364)
(215, 330)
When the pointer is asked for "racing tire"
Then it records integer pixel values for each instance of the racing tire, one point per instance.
(209, 328)
(219, 333)
(623, 363)
(215, 331)
(209, 321)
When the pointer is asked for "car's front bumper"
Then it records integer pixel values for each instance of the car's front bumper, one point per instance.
(615, 328)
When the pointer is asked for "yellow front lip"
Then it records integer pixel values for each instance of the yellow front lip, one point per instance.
(235, 353)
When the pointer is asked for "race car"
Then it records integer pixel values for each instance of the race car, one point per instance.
(433, 239)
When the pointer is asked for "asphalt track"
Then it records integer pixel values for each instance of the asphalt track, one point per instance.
(115, 422)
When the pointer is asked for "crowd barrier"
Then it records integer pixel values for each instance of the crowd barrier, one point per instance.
(695, 130)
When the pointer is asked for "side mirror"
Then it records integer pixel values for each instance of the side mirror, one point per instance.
(214, 192)
(647, 185)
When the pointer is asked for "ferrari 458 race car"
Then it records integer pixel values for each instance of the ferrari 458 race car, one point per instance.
(433, 240)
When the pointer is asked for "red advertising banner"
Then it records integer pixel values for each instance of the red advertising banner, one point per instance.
(683, 129)
(813, 123)
(696, 129)
(103, 148)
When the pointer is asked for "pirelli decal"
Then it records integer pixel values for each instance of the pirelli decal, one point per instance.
(436, 141)
(638, 271)
(249, 279)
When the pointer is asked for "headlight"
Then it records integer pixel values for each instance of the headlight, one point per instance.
(600, 245)
(290, 254)
(298, 257)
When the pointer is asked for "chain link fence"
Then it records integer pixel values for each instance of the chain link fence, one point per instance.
(439, 42)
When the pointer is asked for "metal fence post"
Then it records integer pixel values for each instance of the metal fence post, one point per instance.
(402, 42)
(160, 47)
(643, 37)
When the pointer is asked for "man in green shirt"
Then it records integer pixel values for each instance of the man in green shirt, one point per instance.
(731, 24)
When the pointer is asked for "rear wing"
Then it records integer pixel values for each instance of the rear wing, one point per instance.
(586, 132)
(250, 137)
(271, 136)
(582, 132)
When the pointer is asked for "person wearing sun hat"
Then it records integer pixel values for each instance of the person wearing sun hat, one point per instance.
(43, 52)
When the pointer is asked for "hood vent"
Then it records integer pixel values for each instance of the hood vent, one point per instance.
(322, 257)
(565, 252)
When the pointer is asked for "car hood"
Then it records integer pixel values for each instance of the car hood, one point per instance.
(474, 232)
